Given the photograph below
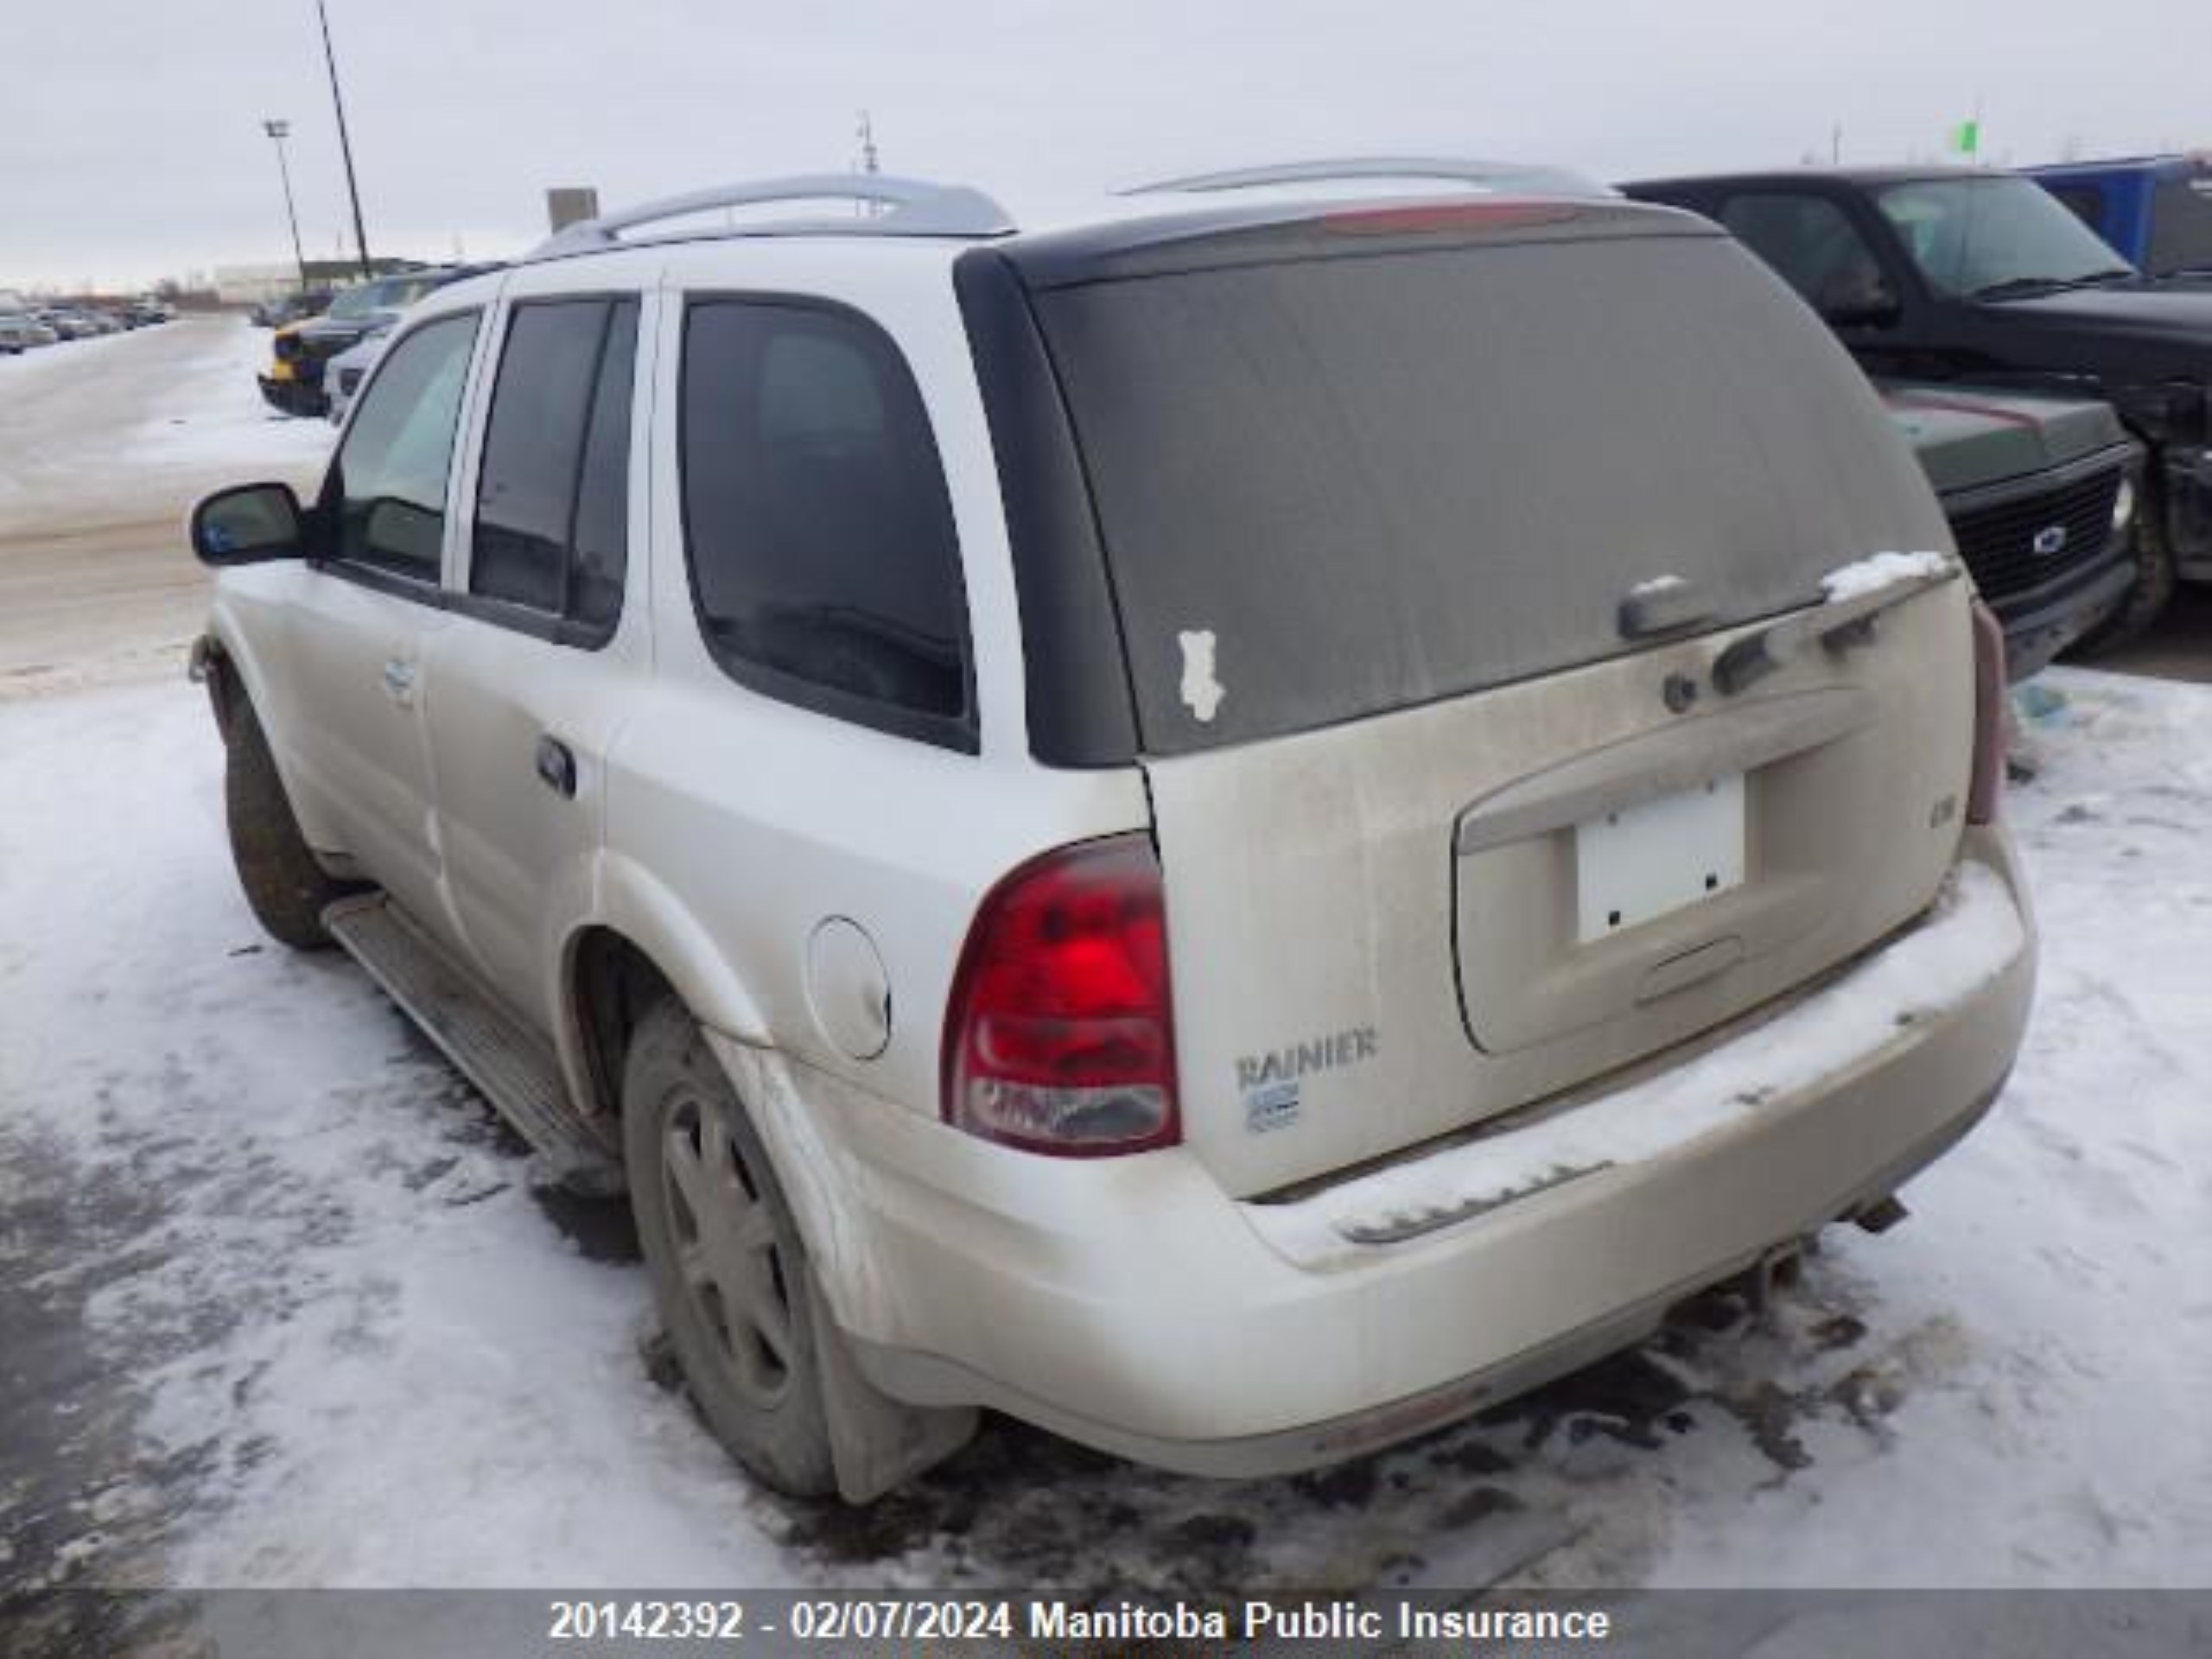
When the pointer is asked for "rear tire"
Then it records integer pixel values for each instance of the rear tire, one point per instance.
(729, 1268)
(284, 885)
(2154, 585)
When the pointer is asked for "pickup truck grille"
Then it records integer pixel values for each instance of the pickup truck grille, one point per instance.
(1999, 541)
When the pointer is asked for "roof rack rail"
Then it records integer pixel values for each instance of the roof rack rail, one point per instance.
(1519, 176)
(916, 207)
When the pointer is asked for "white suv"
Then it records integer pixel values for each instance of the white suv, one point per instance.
(1233, 830)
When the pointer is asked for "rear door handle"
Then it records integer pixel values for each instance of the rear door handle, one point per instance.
(557, 767)
(399, 680)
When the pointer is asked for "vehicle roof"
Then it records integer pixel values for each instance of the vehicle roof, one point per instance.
(1859, 177)
(1147, 230)
(2193, 161)
(1146, 240)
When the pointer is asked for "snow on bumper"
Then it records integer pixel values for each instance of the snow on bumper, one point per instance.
(1130, 1304)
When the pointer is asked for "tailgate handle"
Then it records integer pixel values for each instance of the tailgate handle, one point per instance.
(1674, 758)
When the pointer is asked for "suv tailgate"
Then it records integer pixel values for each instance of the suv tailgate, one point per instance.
(1407, 535)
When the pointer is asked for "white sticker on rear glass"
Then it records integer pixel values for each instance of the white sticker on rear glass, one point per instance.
(1202, 692)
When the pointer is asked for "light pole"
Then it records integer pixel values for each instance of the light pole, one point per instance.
(345, 145)
(278, 131)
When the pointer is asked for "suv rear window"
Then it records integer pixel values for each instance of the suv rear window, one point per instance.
(1334, 486)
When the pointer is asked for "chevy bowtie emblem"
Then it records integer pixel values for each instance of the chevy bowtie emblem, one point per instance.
(2049, 540)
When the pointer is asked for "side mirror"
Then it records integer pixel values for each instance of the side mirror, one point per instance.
(252, 524)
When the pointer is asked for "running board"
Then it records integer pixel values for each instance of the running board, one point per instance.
(513, 1068)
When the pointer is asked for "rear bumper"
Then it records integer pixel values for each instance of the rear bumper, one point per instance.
(1131, 1305)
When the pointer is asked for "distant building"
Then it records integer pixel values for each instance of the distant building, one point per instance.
(571, 206)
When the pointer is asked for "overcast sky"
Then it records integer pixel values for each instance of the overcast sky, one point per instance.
(130, 140)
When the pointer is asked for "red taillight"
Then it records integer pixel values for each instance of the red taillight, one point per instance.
(1057, 1039)
(1993, 723)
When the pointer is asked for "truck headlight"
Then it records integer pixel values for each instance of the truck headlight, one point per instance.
(2123, 505)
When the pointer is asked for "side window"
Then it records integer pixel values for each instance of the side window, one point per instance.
(2181, 225)
(601, 541)
(553, 494)
(1813, 246)
(818, 529)
(388, 484)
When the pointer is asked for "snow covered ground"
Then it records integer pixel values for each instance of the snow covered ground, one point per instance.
(278, 1305)
(175, 404)
(104, 444)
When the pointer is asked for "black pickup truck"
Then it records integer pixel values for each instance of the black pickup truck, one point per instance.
(1943, 274)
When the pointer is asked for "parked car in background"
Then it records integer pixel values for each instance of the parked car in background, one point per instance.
(68, 323)
(1982, 277)
(343, 374)
(1415, 846)
(20, 332)
(2157, 210)
(293, 382)
(2040, 493)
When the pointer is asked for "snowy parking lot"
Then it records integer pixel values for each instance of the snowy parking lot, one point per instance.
(279, 1304)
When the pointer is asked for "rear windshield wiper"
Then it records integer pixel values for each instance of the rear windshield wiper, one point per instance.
(1855, 596)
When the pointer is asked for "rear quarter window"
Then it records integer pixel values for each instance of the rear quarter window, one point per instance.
(819, 528)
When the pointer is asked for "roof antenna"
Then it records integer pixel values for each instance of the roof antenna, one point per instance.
(865, 134)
